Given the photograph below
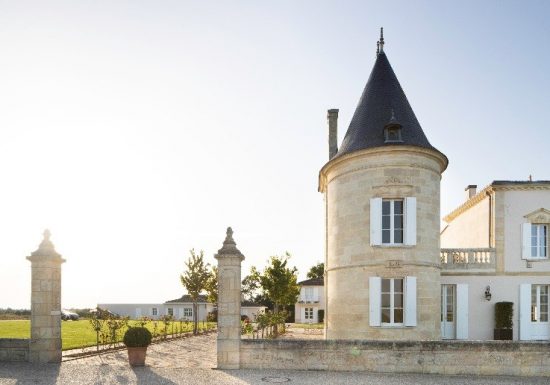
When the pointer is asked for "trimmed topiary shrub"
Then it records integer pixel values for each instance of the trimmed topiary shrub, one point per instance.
(137, 337)
(321, 315)
(504, 311)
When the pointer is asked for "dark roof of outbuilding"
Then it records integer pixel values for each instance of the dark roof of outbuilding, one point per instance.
(382, 98)
(313, 282)
(187, 298)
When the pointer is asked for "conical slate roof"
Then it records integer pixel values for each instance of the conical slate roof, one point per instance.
(382, 99)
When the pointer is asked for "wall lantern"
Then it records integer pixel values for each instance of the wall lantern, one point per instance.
(488, 294)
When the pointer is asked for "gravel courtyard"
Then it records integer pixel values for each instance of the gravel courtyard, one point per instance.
(190, 361)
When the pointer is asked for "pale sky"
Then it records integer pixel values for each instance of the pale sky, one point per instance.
(137, 130)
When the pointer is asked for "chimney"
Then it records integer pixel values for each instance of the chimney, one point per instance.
(470, 190)
(332, 117)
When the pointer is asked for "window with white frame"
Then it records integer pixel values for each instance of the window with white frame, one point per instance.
(392, 301)
(308, 291)
(308, 313)
(393, 221)
(188, 312)
(170, 311)
(539, 241)
(535, 241)
(539, 303)
(154, 311)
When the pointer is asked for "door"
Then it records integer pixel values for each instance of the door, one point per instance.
(539, 312)
(448, 313)
(138, 313)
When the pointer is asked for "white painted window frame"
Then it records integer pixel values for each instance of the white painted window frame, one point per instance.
(409, 222)
(392, 302)
(392, 222)
(188, 312)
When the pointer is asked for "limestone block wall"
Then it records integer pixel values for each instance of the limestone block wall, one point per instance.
(14, 350)
(348, 184)
(437, 357)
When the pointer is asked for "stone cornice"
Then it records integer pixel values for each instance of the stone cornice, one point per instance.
(436, 155)
(490, 189)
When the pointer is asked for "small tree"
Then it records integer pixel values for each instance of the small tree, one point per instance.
(195, 280)
(250, 285)
(212, 286)
(280, 282)
(317, 271)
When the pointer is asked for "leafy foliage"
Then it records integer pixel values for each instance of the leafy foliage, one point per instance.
(317, 271)
(212, 285)
(279, 282)
(195, 280)
(137, 337)
(504, 312)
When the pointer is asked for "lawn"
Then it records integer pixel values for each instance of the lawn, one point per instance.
(308, 326)
(78, 334)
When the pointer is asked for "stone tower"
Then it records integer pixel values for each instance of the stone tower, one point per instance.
(382, 192)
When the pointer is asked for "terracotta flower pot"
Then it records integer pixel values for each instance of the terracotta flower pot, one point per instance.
(136, 356)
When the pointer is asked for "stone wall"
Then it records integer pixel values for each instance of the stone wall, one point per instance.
(14, 350)
(436, 357)
(348, 183)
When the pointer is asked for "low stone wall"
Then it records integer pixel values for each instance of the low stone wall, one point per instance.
(436, 357)
(14, 350)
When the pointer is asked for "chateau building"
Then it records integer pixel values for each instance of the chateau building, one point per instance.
(381, 191)
(495, 248)
(386, 276)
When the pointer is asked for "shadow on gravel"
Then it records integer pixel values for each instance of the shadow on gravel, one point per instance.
(25, 373)
(145, 376)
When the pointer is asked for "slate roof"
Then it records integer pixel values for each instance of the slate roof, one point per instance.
(382, 96)
(313, 282)
(187, 298)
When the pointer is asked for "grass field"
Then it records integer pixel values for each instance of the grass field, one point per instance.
(79, 334)
(308, 326)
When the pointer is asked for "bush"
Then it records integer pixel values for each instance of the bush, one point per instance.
(212, 316)
(321, 315)
(504, 312)
(137, 337)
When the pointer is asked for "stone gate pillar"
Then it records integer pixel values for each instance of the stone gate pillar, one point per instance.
(229, 303)
(45, 345)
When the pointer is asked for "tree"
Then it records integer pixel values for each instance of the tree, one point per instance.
(212, 286)
(250, 285)
(195, 280)
(317, 271)
(279, 283)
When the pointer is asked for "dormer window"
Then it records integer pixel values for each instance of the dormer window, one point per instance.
(392, 134)
(392, 130)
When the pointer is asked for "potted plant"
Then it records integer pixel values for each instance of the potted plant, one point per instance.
(504, 312)
(136, 340)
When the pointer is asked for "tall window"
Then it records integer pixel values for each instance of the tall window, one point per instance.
(539, 241)
(309, 313)
(309, 293)
(154, 311)
(392, 221)
(170, 311)
(392, 301)
(539, 303)
(188, 312)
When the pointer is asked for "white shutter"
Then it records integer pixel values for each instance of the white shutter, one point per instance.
(375, 221)
(315, 294)
(410, 301)
(525, 240)
(303, 314)
(410, 221)
(462, 311)
(525, 311)
(375, 286)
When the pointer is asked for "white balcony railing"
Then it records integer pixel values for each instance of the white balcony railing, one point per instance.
(472, 258)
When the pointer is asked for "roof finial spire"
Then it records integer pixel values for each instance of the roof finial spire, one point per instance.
(377, 48)
(381, 41)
